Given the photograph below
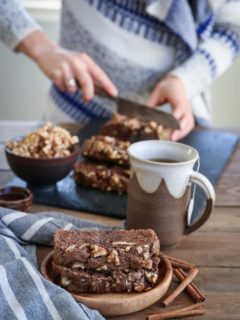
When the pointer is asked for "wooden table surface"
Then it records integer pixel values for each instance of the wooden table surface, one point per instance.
(215, 248)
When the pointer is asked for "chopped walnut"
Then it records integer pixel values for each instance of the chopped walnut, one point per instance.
(102, 268)
(151, 277)
(138, 286)
(106, 148)
(128, 248)
(133, 123)
(99, 146)
(65, 281)
(113, 257)
(71, 248)
(146, 255)
(148, 264)
(147, 130)
(116, 243)
(115, 179)
(78, 266)
(98, 251)
(139, 250)
(109, 139)
(45, 142)
(160, 132)
(153, 124)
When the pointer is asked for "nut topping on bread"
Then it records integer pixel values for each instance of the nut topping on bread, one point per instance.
(98, 251)
(106, 261)
(113, 257)
(133, 129)
(101, 176)
(105, 148)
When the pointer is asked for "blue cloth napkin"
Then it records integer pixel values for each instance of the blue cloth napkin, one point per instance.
(24, 292)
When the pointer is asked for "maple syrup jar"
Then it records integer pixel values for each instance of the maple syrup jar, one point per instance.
(16, 198)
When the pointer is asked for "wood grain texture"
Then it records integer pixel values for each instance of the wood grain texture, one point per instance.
(228, 186)
(210, 249)
(223, 219)
(228, 190)
(222, 297)
(78, 214)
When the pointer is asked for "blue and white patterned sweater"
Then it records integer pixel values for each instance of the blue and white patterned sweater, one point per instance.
(137, 42)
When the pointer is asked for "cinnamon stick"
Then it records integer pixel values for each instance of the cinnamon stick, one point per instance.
(191, 275)
(192, 310)
(191, 289)
(177, 263)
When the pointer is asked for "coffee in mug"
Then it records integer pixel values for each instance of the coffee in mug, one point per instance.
(159, 191)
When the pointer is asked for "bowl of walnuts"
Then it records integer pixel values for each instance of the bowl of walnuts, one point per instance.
(44, 156)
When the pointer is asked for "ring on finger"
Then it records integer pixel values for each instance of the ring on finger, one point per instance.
(71, 83)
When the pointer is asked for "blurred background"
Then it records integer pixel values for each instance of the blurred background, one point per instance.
(23, 88)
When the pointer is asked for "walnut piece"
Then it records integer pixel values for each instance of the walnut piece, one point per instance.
(113, 257)
(65, 281)
(146, 255)
(138, 286)
(71, 248)
(147, 130)
(109, 139)
(98, 251)
(153, 124)
(148, 264)
(102, 268)
(151, 277)
(133, 124)
(45, 142)
(139, 250)
(116, 243)
(78, 266)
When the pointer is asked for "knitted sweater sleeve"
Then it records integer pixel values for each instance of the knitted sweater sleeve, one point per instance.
(214, 55)
(15, 23)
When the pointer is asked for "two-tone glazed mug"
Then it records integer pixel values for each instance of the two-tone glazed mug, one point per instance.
(159, 192)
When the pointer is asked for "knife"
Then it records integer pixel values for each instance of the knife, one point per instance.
(140, 111)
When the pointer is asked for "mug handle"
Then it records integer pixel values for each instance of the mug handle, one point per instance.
(205, 184)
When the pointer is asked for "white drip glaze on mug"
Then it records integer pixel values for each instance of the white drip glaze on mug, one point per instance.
(150, 174)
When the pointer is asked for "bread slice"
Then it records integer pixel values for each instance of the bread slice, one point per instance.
(108, 261)
(102, 176)
(98, 282)
(132, 129)
(105, 148)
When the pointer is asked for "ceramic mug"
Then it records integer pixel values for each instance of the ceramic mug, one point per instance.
(160, 189)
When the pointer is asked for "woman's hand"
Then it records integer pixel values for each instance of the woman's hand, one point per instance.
(67, 69)
(171, 90)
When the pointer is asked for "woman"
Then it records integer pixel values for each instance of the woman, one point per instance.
(162, 50)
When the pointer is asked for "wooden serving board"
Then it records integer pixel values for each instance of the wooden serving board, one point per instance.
(116, 304)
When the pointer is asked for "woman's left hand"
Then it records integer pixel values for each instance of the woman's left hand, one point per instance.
(171, 90)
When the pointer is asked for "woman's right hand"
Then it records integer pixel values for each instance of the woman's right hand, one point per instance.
(67, 69)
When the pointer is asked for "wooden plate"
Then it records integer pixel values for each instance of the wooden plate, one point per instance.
(115, 304)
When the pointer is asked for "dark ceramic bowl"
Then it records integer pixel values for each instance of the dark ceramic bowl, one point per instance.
(41, 172)
(16, 198)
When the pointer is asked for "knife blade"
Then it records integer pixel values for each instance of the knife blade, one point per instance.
(140, 111)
